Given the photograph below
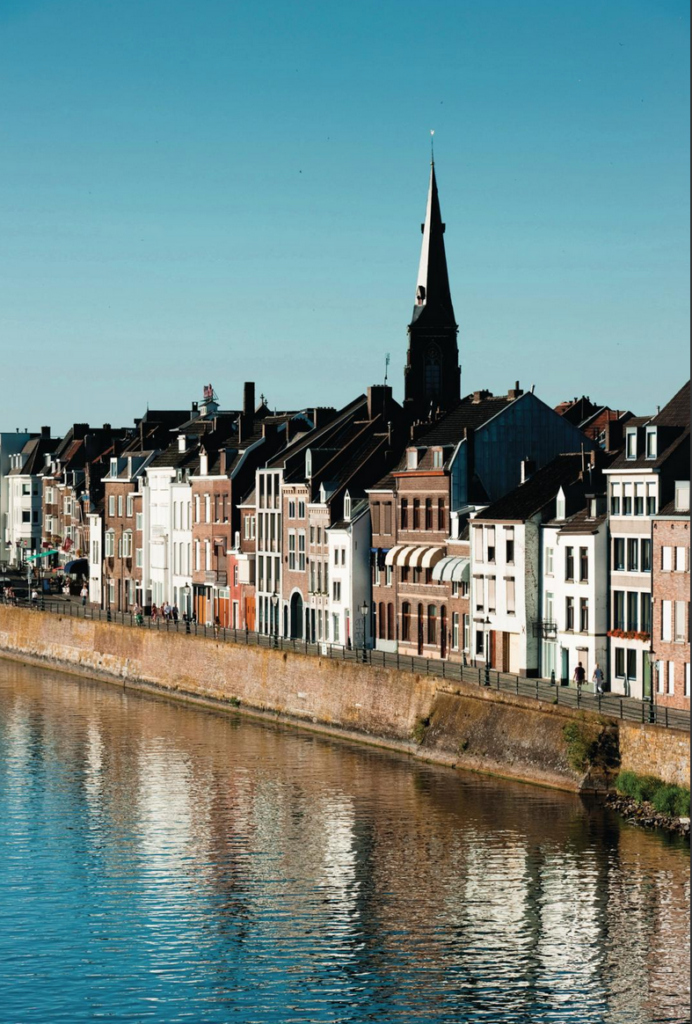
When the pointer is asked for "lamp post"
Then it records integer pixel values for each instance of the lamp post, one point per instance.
(275, 620)
(186, 592)
(652, 663)
(364, 608)
(486, 623)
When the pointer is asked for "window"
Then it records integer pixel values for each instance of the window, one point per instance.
(441, 514)
(109, 546)
(583, 564)
(639, 499)
(583, 615)
(620, 662)
(26, 489)
(615, 500)
(687, 678)
(139, 521)
(651, 499)
(301, 550)
(387, 517)
(235, 575)
(549, 606)
(478, 587)
(645, 613)
(651, 443)
(129, 505)
(633, 555)
(455, 588)
(619, 553)
(416, 514)
(336, 590)
(405, 621)
(633, 610)
(428, 513)
(411, 459)
(335, 629)
(478, 543)
(139, 557)
(569, 614)
(380, 621)
(197, 519)
(646, 556)
(455, 631)
(509, 545)
(511, 597)
(301, 510)
(111, 505)
(26, 515)
(467, 635)
(666, 620)
(432, 624)
(671, 677)
(375, 515)
(127, 544)
(549, 561)
(666, 559)
(120, 504)
(388, 574)
(627, 500)
(198, 564)
(569, 563)
(631, 664)
(291, 549)
(680, 622)
(404, 513)
(680, 560)
(682, 496)
(490, 540)
(291, 509)
(390, 622)
(631, 444)
(480, 647)
(437, 460)
(207, 555)
(491, 593)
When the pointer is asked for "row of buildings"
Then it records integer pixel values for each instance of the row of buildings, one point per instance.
(487, 529)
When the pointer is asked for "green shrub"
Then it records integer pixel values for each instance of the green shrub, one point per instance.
(672, 800)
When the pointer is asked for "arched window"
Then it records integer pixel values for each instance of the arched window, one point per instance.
(390, 622)
(443, 631)
(382, 622)
(421, 634)
(432, 624)
(405, 621)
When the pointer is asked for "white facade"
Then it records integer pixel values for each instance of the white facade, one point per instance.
(10, 444)
(504, 595)
(574, 600)
(24, 521)
(349, 578)
(95, 557)
(167, 556)
(270, 618)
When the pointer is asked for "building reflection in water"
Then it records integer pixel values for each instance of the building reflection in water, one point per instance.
(251, 867)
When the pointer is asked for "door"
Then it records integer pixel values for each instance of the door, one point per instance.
(564, 673)
(443, 631)
(505, 652)
(420, 629)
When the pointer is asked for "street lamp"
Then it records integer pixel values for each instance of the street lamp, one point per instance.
(364, 608)
(652, 662)
(186, 592)
(275, 618)
(486, 623)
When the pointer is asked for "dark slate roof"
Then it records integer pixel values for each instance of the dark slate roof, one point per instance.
(531, 497)
(669, 509)
(450, 429)
(666, 447)
(387, 483)
(581, 522)
(677, 412)
(35, 449)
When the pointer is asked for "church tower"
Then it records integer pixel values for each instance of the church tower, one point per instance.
(432, 374)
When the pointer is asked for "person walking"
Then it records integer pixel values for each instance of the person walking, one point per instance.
(597, 678)
(84, 593)
(579, 675)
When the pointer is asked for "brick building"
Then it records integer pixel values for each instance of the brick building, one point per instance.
(671, 599)
(123, 536)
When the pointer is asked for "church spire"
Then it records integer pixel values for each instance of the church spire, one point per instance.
(433, 297)
(432, 374)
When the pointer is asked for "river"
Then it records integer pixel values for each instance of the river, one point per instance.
(163, 863)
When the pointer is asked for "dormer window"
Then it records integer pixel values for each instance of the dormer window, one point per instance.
(114, 467)
(308, 464)
(438, 461)
(560, 505)
(182, 443)
(412, 458)
(682, 495)
(651, 442)
(631, 444)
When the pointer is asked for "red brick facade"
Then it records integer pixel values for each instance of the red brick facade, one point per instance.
(671, 611)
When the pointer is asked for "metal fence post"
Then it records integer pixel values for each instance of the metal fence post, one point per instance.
(621, 709)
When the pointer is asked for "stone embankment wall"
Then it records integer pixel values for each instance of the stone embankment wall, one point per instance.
(463, 725)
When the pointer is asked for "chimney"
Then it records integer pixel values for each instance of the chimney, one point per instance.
(478, 396)
(379, 397)
(245, 426)
(45, 432)
(195, 406)
(268, 430)
(514, 392)
(528, 468)
(223, 461)
(249, 398)
(613, 435)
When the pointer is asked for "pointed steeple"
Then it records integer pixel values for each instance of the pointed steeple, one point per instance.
(433, 297)
(432, 375)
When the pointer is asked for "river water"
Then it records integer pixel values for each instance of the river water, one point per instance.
(161, 863)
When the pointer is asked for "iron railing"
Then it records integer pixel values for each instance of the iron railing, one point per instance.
(613, 705)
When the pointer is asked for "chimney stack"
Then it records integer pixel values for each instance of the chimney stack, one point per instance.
(249, 398)
(45, 432)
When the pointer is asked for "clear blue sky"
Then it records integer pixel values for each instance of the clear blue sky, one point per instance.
(218, 191)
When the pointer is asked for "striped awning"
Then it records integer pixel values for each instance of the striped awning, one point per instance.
(431, 557)
(415, 556)
(391, 556)
(452, 569)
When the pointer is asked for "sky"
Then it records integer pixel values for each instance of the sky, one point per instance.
(215, 191)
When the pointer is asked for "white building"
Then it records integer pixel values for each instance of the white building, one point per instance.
(25, 496)
(573, 624)
(167, 526)
(95, 520)
(349, 575)
(10, 444)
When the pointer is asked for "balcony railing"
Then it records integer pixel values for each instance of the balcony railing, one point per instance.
(219, 576)
(545, 629)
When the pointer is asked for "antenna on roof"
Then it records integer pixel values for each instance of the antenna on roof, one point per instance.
(386, 367)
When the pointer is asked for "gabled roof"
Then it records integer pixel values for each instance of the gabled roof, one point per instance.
(677, 412)
(469, 413)
(531, 497)
(35, 450)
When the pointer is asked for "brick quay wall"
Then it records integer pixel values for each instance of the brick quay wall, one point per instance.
(460, 725)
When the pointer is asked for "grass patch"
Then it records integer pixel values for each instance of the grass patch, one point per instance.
(667, 799)
(419, 728)
(590, 746)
